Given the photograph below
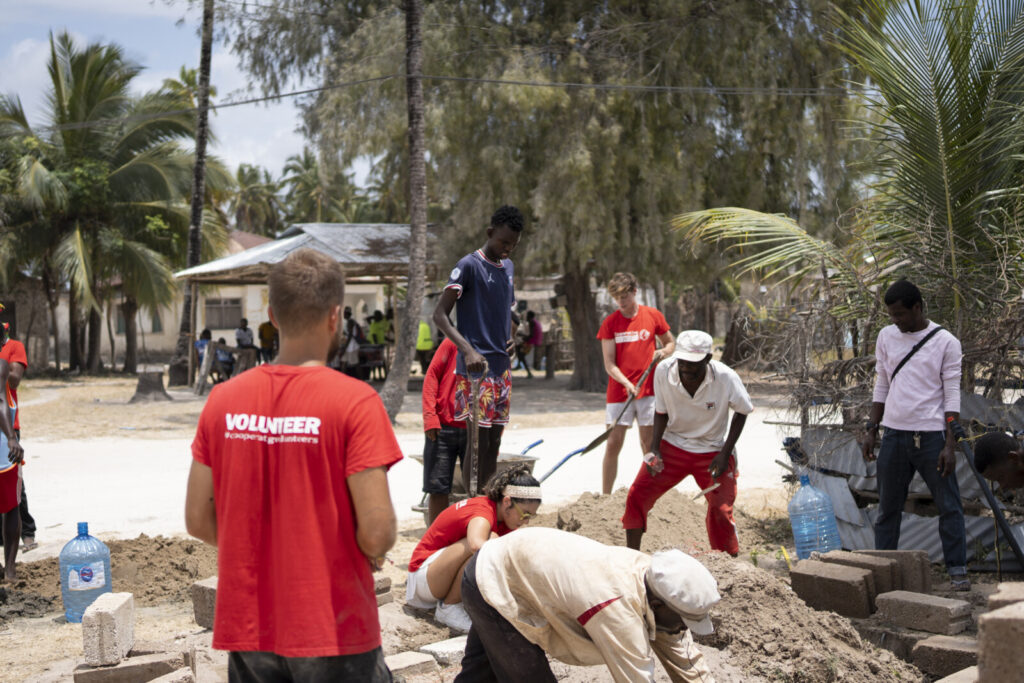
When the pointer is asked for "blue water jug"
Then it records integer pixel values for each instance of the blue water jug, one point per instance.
(813, 520)
(84, 572)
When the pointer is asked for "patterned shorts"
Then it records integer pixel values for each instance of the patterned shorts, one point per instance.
(495, 395)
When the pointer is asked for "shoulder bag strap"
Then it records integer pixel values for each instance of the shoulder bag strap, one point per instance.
(917, 347)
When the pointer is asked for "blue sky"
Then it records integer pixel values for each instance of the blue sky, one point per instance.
(151, 35)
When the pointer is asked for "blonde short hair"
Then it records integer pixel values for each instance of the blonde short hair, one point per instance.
(304, 287)
(620, 283)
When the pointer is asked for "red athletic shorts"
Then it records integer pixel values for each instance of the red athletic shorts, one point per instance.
(679, 464)
(9, 489)
(495, 397)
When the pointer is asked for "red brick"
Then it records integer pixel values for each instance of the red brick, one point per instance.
(945, 655)
(834, 587)
(1000, 638)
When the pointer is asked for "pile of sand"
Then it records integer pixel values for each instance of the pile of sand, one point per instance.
(154, 570)
(762, 625)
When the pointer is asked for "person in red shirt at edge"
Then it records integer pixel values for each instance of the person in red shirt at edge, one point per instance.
(289, 482)
(445, 436)
(510, 499)
(13, 351)
(11, 459)
(627, 344)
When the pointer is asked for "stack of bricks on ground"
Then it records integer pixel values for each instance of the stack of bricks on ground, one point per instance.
(888, 596)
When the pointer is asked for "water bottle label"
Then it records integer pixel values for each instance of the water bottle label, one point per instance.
(86, 577)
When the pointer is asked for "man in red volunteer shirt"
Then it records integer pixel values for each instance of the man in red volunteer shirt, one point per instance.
(445, 436)
(13, 351)
(627, 344)
(11, 457)
(289, 481)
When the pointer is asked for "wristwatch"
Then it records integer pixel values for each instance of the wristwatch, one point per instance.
(871, 426)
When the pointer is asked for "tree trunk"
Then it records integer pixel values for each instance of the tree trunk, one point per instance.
(52, 301)
(110, 333)
(130, 309)
(95, 340)
(408, 314)
(178, 371)
(588, 366)
(75, 333)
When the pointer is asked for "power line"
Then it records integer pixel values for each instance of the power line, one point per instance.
(626, 87)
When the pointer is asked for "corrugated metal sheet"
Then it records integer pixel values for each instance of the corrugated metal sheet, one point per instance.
(859, 536)
(838, 491)
(833, 449)
(1005, 416)
(362, 249)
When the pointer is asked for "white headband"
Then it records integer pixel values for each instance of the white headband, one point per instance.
(522, 492)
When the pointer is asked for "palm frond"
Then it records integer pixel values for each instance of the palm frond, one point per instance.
(73, 259)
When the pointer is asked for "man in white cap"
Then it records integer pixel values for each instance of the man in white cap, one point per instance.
(543, 592)
(692, 436)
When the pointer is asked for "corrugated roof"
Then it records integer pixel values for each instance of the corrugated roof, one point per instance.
(363, 249)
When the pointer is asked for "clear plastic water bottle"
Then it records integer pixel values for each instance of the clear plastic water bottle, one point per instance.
(84, 572)
(813, 520)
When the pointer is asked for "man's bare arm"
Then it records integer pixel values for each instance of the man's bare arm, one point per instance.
(200, 511)
(475, 362)
(668, 345)
(376, 526)
(17, 372)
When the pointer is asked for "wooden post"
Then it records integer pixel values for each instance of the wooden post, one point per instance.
(194, 288)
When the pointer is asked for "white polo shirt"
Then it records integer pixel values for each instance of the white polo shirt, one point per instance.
(700, 422)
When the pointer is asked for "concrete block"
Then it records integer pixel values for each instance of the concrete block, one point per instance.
(154, 647)
(108, 629)
(968, 675)
(914, 567)
(897, 640)
(204, 600)
(131, 670)
(385, 598)
(410, 664)
(945, 655)
(924, 612)
(845, 590)
(1000, 634)
(1006, 593)
(381, 584)
(179, 676)
(208, 665)
(447, 652)
(886, 572)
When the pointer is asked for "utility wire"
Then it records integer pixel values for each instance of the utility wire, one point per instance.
(626, 87)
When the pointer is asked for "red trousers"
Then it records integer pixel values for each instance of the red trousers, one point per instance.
(679, 464)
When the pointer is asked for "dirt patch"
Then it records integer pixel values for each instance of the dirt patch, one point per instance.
(154, 569)
(676, 521)
(762, 625)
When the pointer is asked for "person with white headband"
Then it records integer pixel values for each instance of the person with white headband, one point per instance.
(546, 593)
(510, 499)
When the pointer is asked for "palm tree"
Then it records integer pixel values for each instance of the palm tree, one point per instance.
(117, 160)
(944, 100)
(254, 203)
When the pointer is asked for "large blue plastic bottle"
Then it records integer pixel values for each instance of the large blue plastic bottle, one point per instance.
(813, 520)
(84, 572)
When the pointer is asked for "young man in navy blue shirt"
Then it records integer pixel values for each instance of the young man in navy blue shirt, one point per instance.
(481, 285)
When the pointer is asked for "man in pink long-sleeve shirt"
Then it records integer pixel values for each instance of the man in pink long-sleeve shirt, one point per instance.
(917, 389)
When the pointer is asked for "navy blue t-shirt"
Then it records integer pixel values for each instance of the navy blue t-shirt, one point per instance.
(484, 308)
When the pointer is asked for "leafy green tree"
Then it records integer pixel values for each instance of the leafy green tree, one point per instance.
(254, 203)
(95, 179)
(600, 170)
(945, 204)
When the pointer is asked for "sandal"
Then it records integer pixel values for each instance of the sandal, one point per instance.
(28, 544)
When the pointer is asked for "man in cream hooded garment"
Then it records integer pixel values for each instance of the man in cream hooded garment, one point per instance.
(543, 592)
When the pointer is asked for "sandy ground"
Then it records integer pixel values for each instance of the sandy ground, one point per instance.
(92, 456)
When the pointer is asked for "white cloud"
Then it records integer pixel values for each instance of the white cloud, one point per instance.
(121, 8)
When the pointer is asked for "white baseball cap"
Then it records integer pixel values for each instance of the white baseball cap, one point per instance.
(693, 345)
(686, 586)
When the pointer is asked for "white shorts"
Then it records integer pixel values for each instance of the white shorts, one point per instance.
(641, 408)
(417, 592)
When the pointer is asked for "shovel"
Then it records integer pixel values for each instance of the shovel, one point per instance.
(604, 437)
(473, 446)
